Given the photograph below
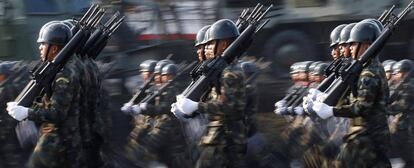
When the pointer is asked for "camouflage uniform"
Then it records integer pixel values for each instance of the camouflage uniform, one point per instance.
(158, 136)
(11, 154)
(368, 137)
(402, 126)
(224, 144)
(60, 143)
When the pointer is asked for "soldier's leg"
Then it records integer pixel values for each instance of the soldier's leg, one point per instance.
(212, 156)
(361, 152)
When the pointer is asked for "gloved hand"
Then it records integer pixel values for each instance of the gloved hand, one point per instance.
(136, 109)
(298, 110)
(186, 105)
(307, 104)
(127, 108)
(323, 110)
(143, 106)
(177, 113)
(281, 111)
(17, 112)
(280, 103)
(313, 94)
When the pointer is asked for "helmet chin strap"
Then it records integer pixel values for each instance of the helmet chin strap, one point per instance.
(357, 51)
(47, 52)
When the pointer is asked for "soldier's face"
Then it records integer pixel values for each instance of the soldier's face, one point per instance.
(388, 75)
(166, 78)
(335, 53)
(316, 78)
(200, 53)
(209, 49)
(356, 51)
(145, 75)
(43, 50)
(2, 77)
(48, 52)
(302, 76)
(345, 50)
(398, 76)
(157, 79)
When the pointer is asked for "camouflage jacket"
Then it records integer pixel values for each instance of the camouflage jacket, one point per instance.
(368, 108)
(60, 113)
(162, 103)
(226, 110)
(402, 104)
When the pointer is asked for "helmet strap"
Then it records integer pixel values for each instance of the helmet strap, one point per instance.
(47, 52)
(357, 51)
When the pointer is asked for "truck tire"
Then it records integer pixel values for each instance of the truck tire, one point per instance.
(286, 48)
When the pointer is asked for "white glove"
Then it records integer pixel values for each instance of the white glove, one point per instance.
(281, 110)
(136, 109)
(321, 97)
(127, 108)
(322, 110)
(307, 104)
(17, 112)
(313, 93)
(177, 113)
(298, 110)
(280, 103)
(143, 106)
(186, 105)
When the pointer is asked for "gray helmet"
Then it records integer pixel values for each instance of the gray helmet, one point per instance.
(54, 33)
(6, 68)
(147, 66)
(161, 64)
(300, 67)
(69, 22)
(364, 32)
(376, 22)
(346, 31)
(249, 67)
(313, 65)
(200, 35)
(404, 65)
(170, 69)
(387, 64)
(335, 34)
(222, 29)
(319, 69)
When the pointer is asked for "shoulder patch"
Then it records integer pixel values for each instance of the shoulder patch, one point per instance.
(367, 74)
(62, 79)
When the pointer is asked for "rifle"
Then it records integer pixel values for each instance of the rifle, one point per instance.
(140, 93)
(153, 95)
(217, 65)
(351, 73)
(384, 16)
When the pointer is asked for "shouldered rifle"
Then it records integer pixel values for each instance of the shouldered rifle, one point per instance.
(153, 95)
(141, 92)
(217, 65)
(351, 73)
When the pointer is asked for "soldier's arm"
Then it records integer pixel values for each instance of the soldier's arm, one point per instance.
(167, 98)
(232, 96)
(403, 103)
(368, 87)
(60, 102)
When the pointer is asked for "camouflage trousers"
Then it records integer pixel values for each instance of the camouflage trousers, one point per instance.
(402, 145)
(51, 152)
(226, 156)
(362, 152)
(158, 140)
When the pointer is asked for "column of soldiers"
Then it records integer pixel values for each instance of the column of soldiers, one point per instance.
(374, 115)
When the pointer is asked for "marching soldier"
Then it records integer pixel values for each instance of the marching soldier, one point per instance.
(388, 69)
(367, 140)
(60, 143)
(11, 154)
(344, 46)
(334, 39)
(162, 140)
(400, 105)
(224, 143)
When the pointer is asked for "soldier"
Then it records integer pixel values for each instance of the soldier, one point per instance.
(344, 46)
(147, 69)
(162, 140)
(316, 76)
(11, 154)
(60, 144)
(224, 143)
(367, 140)
(334, 39)
(388, 69)
(400, 105)
(200, 43)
